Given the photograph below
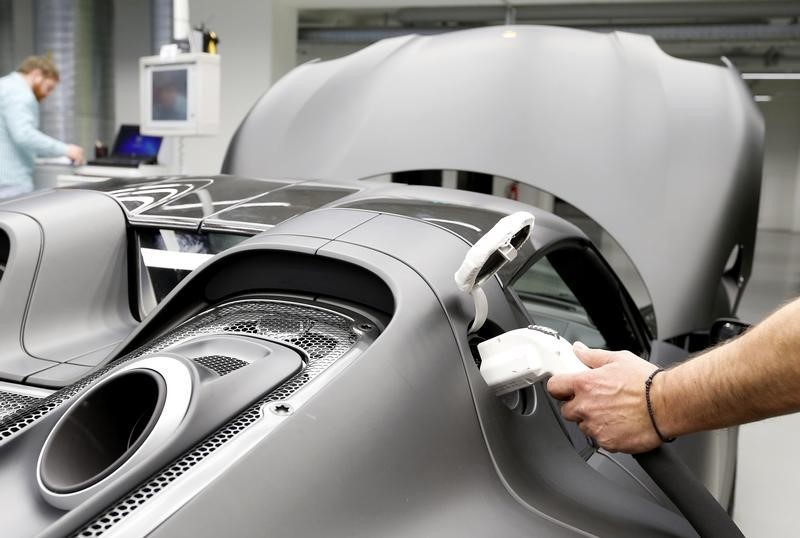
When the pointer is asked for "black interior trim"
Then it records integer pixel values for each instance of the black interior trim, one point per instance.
(250, 272)
(599, 291)
(5, 251)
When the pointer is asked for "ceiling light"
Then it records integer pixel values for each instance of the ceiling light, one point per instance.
(771, 76)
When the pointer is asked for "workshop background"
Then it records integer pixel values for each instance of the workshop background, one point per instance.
(98, 43)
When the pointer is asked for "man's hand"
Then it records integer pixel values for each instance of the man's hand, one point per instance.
(75, 153)
(608, 402)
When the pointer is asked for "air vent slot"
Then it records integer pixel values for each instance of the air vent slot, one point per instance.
(220, 363)
(5, 250)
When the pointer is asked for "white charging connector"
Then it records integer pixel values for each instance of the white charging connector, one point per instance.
(488, 255)
(522, 357)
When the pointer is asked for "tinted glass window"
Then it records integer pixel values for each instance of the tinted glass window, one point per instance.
(281, 204)
(550, 302)
(471, 223)
(170, 255)
(209, 196)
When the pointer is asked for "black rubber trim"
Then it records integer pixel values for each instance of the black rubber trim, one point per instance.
(694, 501)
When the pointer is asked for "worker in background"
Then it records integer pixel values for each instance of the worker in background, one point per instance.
(629, 405)
(21, 141)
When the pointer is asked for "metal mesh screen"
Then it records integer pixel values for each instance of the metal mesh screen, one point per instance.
(220, 363)
(312, 330)
(317, 332)
(11, 403)
(322, 335)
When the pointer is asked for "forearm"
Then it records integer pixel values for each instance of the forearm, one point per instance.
(754, 377)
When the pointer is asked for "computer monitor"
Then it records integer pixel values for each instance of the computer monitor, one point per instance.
(179, 96)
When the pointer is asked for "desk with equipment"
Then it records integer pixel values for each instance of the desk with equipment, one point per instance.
(131, 149)
(133, 155)
(179, 97)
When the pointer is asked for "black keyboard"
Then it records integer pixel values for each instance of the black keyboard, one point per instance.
(123, 162)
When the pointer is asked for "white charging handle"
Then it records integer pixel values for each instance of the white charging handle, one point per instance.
(491, 252)
(522, 357)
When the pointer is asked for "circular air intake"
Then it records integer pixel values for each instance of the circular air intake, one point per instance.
(121, 421)
(100, 432)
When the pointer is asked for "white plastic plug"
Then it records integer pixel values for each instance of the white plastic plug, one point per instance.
(522, 357)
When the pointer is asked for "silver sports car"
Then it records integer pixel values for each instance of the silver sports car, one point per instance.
(290, 356)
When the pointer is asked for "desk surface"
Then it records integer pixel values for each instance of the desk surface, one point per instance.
(94, 174)
(145, 170)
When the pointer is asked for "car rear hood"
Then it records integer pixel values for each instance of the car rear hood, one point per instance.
(664, 153)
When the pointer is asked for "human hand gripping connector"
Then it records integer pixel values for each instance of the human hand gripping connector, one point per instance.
(522, 357)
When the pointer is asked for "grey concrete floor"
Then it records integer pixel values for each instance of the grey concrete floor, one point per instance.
(768, 473)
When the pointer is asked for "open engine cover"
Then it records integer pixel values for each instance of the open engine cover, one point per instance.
(607, 122)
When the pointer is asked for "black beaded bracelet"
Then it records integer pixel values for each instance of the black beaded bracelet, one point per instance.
(647, 385)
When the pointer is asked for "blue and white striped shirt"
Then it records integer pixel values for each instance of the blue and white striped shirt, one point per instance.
(20, 139)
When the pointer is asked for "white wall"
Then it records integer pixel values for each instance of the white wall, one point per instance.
(23, 30)
(245, 32)
(780, 190)
(284, 38)
(131, 40)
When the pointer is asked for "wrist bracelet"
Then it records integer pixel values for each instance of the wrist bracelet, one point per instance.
(647, 385)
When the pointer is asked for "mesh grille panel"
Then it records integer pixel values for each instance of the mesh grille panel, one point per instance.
(220, 363)
(18, 419)
(11, 403)
(318, 332)
(308, 328)
(323, 335)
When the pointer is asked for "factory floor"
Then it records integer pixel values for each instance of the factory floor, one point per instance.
(767, 491)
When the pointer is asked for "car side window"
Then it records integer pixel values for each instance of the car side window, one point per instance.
(168, 256)
(550, 302)
(573, 289)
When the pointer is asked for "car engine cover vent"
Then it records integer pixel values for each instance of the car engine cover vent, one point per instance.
(323, 334)
(220, 363)
(11, 402)
(313, 330)
(279, 320)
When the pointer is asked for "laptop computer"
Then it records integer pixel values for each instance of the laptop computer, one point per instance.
(131, 149)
